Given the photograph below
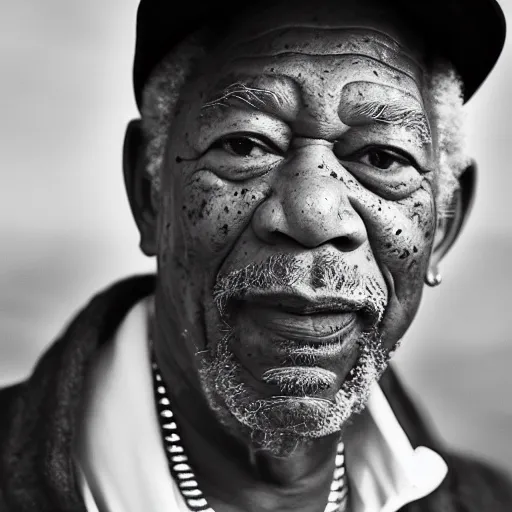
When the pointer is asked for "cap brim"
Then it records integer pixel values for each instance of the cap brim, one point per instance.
(470, 33)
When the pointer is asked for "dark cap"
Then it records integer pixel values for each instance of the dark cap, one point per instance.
(470, 33)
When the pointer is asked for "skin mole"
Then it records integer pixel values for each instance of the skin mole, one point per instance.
(405, 254)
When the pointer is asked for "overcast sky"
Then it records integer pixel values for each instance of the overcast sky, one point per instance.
(66, 229)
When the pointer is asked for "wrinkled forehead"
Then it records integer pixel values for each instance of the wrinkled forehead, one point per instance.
(287, 34)
(388, 19)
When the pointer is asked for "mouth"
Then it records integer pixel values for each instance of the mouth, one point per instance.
(301, 303)
(298, 318)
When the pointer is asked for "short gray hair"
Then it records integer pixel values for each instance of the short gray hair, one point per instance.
(160, 97)
(444, 104)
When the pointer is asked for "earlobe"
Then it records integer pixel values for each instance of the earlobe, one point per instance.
(450, 227)
(138, 186)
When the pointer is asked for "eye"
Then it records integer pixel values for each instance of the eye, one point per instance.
(244, 146)
(387, 171)
(241, 156)
(384, 159)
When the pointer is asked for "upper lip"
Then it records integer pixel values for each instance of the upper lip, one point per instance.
(301, 304)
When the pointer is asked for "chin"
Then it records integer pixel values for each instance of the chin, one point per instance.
(280, 422)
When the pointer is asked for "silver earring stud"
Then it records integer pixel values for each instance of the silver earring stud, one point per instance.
(433, 278)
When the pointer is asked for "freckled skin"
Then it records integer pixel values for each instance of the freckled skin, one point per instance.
(372, 206)
(312, 189)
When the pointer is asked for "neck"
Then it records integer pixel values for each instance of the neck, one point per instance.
(232, 473)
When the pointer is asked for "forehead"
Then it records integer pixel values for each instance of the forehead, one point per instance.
(352, 41)
(317, 76)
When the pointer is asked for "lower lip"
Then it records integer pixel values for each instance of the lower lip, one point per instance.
(317, 327)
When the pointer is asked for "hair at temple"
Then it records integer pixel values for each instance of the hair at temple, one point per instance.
(443, 99)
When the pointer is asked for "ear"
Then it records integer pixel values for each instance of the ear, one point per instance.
(449, 228)
(139, 187)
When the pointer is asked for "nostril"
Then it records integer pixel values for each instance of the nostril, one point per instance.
(277, 237)
(345, 243)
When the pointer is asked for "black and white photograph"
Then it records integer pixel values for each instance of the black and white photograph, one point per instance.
(256, 256)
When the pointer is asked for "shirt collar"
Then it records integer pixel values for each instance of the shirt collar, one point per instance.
(384, 470)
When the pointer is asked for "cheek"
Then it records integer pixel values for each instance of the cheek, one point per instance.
(406, 229)
(201, 219)
(215, 213)
(401, 234)
(407, 243)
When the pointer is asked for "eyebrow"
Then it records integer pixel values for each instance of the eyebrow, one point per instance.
(255, 97)
(395, 113)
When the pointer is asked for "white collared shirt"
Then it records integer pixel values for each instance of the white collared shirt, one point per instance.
(123, 468)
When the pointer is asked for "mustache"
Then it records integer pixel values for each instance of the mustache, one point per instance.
(328, 279)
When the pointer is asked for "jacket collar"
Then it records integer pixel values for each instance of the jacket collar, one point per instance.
(36, 465)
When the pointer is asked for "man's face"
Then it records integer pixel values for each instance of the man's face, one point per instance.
(297, 217)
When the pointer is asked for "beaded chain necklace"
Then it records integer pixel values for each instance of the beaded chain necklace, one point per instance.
(183, 473)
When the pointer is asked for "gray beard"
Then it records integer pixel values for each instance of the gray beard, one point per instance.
(280, 424)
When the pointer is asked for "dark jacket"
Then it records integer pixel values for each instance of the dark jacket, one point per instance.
(38, 421)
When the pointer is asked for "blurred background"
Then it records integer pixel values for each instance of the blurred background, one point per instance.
(66, 229)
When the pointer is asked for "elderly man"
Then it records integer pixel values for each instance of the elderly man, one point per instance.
(299, 171)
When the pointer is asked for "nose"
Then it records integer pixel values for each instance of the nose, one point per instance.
(309, 206)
